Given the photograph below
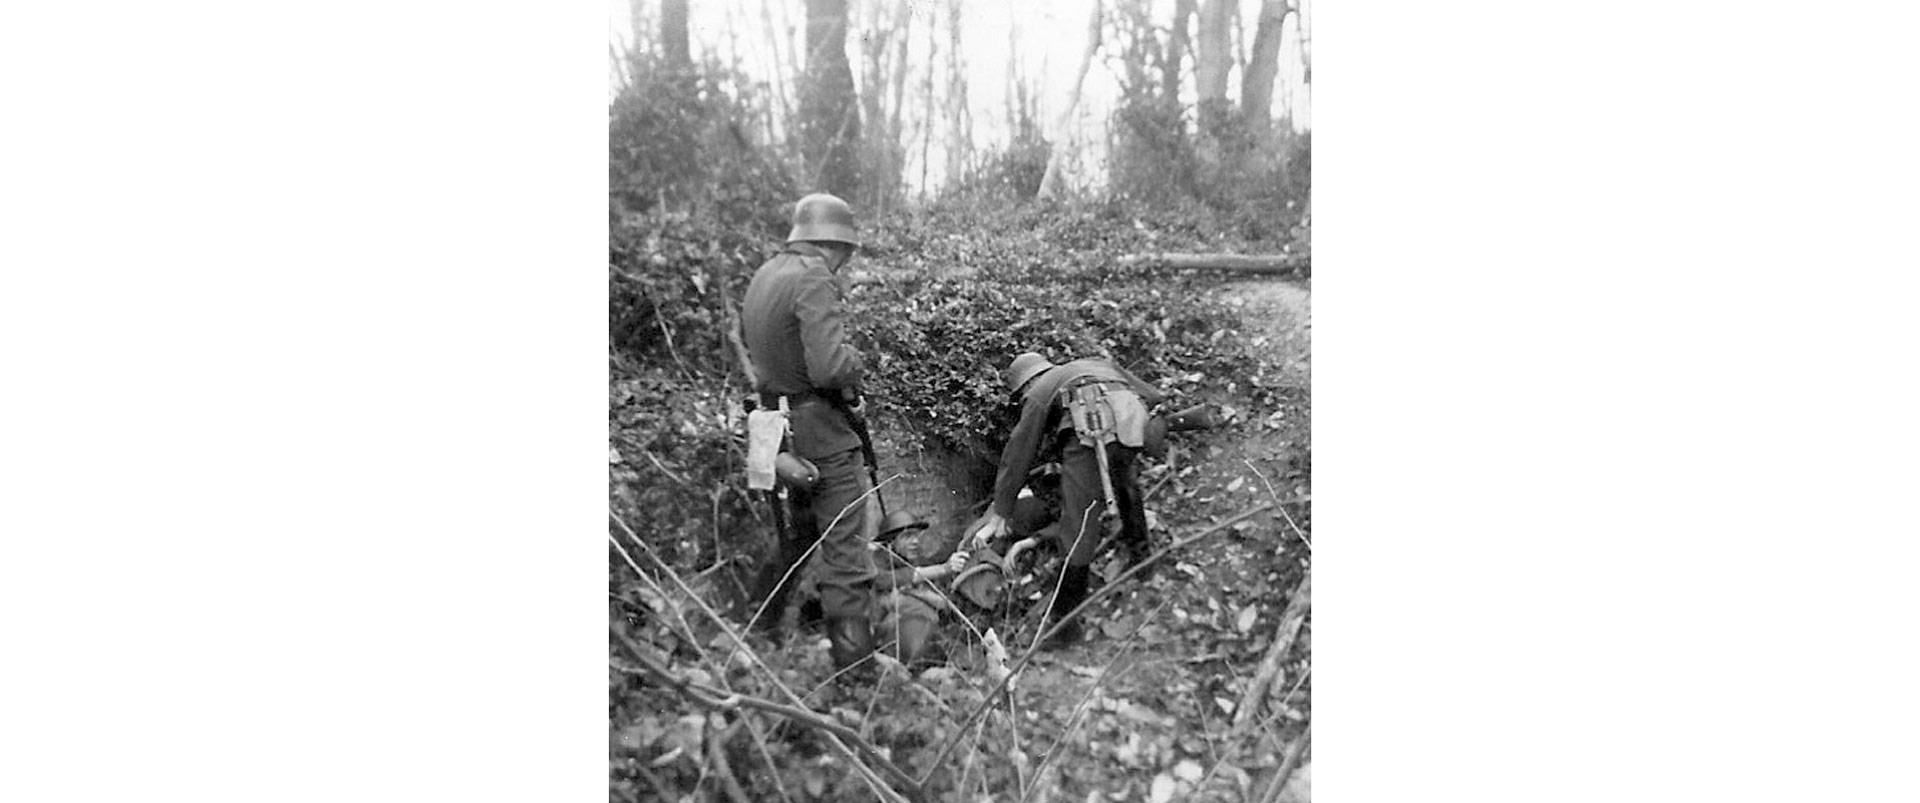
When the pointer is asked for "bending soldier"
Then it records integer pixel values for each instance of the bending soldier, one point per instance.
(1093, 413)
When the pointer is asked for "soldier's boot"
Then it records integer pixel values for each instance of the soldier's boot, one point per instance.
(1073, 591)
(850, 639)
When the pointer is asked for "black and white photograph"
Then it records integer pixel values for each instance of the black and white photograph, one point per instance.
(960, 400)
(950, 403)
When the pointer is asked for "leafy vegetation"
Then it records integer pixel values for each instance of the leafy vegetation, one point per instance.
(952, 290)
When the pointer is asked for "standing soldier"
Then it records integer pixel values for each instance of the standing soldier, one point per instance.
(794, 322)
(1093, 414)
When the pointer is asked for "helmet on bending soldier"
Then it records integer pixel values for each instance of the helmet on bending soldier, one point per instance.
(1023, 369)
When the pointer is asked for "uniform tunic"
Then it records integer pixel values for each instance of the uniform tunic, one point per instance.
(1045, 425)
(794, 324)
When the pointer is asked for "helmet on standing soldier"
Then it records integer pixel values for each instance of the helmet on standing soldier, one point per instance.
(822, 217)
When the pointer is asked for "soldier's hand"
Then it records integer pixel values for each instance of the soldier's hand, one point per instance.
(985, 529)
(956, 562)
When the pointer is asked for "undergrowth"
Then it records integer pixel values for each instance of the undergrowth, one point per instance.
(957, 292)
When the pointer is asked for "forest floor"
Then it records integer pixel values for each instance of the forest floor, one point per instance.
(1148, 706)
(1160, 716)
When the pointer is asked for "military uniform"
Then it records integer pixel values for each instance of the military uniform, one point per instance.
(794, 325)
(1046, 428)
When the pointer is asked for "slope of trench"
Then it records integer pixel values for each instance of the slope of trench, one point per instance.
(1213, 609)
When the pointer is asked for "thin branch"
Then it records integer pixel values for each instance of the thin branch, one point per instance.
(663, 468)
(668, 334)
(1086, 517)
(986, 703)
(1283, 509)
(717, 751)
(722, 700)
(773, 769)
(1236, 744)
(867, 774)
(802, 560)
(1073, 720)
(1287, 766)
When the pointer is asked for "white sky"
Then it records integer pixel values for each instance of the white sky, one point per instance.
(1052, 36)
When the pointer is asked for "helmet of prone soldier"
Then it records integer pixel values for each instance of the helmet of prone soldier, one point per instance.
(822, 217)
(897, 523)
(983, 581)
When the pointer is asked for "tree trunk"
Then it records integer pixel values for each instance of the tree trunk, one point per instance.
(1256, 86)
(1050, 181)
(896, 130)
(1213, 51)
(637, 19)
(959, 135)
(882, 168)
(784, 68)
(673, 34)
(1177, 47)
(829, 110)
(927, 117)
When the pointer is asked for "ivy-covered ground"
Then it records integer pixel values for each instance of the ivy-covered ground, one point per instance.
(1156, 704)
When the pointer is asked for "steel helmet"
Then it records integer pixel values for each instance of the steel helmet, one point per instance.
(1024, 368)
(822, 217)
(983, 581)
(897, 522)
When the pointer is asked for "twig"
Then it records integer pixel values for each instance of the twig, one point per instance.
(668, 334)
(663, 468)
(1086, 517)
(802, 560)
(1235, 745)
(1073, 720)
(722, 700)
(773, 769)
(1156, 487)
(647, 775)
(717, 561)
(1287, 766)
(690, 637)
(988, 701)
(1283, 509)
(733, 337)
(867, 774)
(717, 750)
(1173, 469)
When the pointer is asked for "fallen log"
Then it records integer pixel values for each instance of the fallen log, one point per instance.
(1232, 263)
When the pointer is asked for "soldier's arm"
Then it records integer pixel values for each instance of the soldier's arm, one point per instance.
(832, 362)
(1017, 457)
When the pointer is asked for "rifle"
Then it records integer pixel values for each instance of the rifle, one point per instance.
(858, 421)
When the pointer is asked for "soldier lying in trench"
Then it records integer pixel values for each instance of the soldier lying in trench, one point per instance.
(921, 576)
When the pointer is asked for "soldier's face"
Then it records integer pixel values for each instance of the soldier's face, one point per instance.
(842, 254)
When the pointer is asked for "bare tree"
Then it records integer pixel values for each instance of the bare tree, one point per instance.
(1177, 47)
(1256, 86)
(959, 118)
(673, 34)
(829, 110)
(882, 142)
(1213, 54)
(927, 117)
(1050, 181)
